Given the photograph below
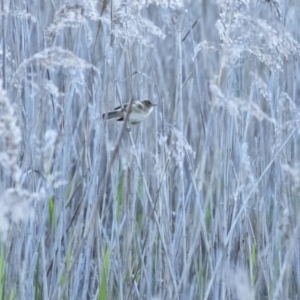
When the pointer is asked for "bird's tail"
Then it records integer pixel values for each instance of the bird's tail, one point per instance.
(112, 115)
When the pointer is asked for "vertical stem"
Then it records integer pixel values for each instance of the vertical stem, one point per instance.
(180, 121)
(181, 128)
(3, 46)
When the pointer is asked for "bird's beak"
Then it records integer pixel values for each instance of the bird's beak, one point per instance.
(154, 104)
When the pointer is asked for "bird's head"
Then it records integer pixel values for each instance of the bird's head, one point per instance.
(148, 103)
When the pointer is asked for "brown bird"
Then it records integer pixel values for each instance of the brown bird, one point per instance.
(139, 111)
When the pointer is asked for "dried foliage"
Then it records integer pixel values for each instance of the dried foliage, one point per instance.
(10, 137)
(199, 201)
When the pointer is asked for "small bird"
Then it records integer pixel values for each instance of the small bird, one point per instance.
(139, 111)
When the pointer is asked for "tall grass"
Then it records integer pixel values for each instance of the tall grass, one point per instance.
(200, 201)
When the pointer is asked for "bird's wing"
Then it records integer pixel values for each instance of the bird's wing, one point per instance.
(119, 107)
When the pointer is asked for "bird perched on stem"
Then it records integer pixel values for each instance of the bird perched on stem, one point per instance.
(138, 111)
